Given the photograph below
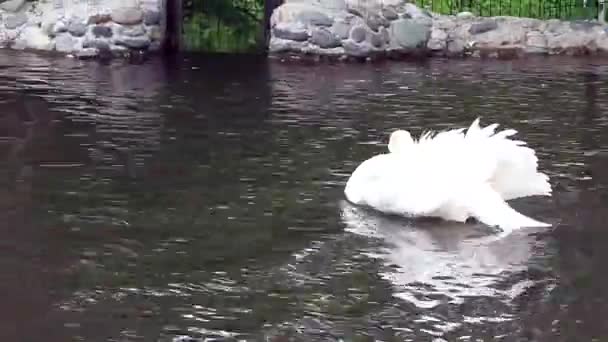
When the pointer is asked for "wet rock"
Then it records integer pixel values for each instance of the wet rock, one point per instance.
(291, 31)
(535, 42)
(438, 40)
(465, 14)
(324, 38)
(127, 15)
(406, 34)
(60, 27)
(12, 5)
(342, 26)
(390, 13)
(151, 17)
(87, 53)
(64, 42)
(99, 19)
(13, 21)
(285, 45)
(375, 21)
(99, 44)
(131, 30)
(102, 31)
(456, 46)
(133, 42)
(77, 27)
(354, 49)
(312, 17)
(358, 34)
(482, 27)
(341, 29)
(377, 40)
(414, 12)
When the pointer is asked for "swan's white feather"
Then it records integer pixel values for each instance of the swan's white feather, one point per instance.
(453, 175)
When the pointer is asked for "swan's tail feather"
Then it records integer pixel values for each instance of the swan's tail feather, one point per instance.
(487, 206)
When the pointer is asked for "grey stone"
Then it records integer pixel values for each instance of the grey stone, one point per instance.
(127, 15)
(131, 30)
(133, 42)
(285, 45)
(456, 46)
(358, 34)
(312, 17)
(12, 5)
(324, 38)
(87, 53)
(465, 14)
(151, 17)
(377, 40)
(409, 33)
(536, 39)
(65, 43)
(291, 31)
(482, 27)
(341, 29)
(99, 19)
(354, 49)
(102, 31)
(59, 27)
(99, 44)
(414, 12)
(13, 21)
(384, 34)
(438, 40)
(389, 13)
(584, 25)
(375, 21)
(77, 27)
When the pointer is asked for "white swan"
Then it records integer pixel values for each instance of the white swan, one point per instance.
(452, 175)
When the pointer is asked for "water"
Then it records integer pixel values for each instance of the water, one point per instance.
(202, 198)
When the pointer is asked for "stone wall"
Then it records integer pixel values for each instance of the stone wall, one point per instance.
(370, 28)
(82, 28)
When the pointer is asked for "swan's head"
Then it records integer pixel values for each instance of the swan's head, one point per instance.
(399, 141)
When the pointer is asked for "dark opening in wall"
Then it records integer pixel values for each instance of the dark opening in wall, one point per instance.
(173, 26)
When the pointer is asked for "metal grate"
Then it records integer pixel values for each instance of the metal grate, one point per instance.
(540, 9)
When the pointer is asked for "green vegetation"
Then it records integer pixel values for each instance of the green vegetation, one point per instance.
(223, 26)
(541, 9)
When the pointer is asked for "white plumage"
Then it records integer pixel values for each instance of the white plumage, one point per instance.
(452, 175)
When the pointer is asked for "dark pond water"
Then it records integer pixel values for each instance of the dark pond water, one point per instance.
(202, 198)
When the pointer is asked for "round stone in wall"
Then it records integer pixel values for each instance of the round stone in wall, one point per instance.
(324, 38)
(151, 17)
(15, 20)
(102, 31)
(77, 28)
(65, 43)
(12, 5)
(127, 15)
(133, 42)
(358, 33)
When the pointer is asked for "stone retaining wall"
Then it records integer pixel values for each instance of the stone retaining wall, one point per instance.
(369, 28)
(82, 28)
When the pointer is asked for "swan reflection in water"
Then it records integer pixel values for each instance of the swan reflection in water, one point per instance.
(432, 261)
